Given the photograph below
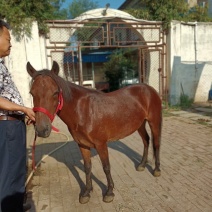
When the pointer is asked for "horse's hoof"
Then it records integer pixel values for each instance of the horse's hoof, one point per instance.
(108, 198)
(157, 173)
(140, 168)
(84, 199)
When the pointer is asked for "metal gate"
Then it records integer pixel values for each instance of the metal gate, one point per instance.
(82, 47)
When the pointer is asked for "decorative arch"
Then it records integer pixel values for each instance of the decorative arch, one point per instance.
(82, 44)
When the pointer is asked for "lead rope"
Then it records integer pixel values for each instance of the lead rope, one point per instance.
(33, 146)
(34, 143)
(33, 153)
(35, 166)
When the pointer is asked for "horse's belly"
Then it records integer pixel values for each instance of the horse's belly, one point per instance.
(90, 135)
(121, 134)
(116, 132)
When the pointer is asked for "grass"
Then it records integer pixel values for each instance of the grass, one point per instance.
(185, 101)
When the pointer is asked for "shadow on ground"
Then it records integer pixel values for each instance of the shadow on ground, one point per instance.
(72, 158)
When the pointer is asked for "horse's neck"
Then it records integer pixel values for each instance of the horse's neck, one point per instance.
(79, 91)
(69, 106)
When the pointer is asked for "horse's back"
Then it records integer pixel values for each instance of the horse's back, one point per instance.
(146, 95)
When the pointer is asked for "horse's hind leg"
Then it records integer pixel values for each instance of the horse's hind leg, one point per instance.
(86, 154)
(103, 154)
(156, 136)
(145, 137)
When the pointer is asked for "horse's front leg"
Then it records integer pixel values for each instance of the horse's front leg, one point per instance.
(86, 154)
(103, 154)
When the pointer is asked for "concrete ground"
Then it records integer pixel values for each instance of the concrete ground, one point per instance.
(185, 183)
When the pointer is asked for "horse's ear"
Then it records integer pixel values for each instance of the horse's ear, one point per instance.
(55, 68)
(31, 71)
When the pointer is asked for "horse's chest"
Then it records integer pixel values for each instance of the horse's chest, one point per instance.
(82, 138)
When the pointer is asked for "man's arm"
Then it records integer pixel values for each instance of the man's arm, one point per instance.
(7, 105)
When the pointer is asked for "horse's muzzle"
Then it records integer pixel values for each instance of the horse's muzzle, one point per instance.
(43, 132)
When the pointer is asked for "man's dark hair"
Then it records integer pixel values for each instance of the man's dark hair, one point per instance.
(3, 24)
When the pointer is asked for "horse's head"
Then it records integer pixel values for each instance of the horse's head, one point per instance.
(46, 98)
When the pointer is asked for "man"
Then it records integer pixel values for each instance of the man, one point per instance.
(12, 135)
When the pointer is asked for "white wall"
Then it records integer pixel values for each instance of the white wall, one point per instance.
(190, 61)
(28, 49)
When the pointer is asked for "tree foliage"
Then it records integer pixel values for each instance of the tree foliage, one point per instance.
(119, 65)
(168, 10)
(78, 7)
(21, 13)
(199, 14)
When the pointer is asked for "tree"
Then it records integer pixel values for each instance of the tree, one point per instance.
(21, 13)
(119, 66)
(199, 14)
(168, 10)
(78, 7)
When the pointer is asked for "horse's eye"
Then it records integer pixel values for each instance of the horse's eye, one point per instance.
(56, 93)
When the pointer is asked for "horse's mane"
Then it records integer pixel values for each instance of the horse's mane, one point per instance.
(62, 84)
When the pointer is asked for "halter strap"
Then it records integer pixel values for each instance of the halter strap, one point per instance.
(43, 110)
(60, 102)
(59, 107)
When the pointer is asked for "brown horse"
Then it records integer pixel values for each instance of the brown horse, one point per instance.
(94, 118)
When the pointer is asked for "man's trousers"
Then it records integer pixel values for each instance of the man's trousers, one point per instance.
(12, 165)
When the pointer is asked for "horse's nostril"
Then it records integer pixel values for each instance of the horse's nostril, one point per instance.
(47, 131)
(43, 132)
(48, 128)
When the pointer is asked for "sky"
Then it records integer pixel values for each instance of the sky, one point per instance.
(114, 4)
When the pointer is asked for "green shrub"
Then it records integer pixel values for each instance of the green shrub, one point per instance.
(185, 101)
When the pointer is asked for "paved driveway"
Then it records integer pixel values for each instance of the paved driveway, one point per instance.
(185, 183)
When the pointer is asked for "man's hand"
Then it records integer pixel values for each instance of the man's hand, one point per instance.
(29, 113)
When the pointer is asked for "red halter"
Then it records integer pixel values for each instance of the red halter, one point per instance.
(59, 107)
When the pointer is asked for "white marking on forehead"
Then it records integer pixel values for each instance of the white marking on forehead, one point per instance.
(43, 81)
